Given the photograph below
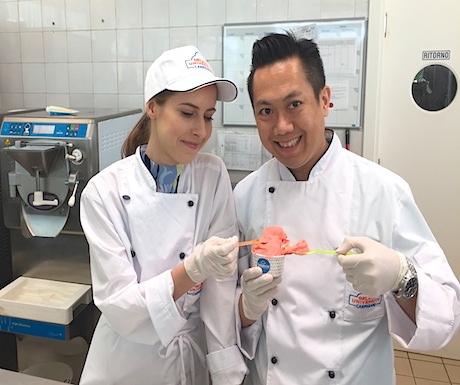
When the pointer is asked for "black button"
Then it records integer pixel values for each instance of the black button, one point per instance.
(332, 314)
(331, 374)
(274, 360)
(133, 253)
(274, 302)
(126, 197)
(271, 190)
(182, 255)
(190, 203)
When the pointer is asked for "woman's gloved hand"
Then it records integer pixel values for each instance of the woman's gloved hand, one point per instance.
(216, 256)
(374, 271)
(257, 289)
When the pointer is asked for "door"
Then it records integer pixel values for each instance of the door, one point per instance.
(417, 49)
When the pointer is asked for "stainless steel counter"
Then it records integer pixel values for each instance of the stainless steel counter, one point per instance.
(8, 377)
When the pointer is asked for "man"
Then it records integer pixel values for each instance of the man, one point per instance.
(332, 317)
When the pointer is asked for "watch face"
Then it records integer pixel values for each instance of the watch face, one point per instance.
(411, 288)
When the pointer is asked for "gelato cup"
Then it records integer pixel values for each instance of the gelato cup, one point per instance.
(273, 265)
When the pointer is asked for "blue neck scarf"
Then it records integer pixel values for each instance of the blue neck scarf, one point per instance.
(167, 177)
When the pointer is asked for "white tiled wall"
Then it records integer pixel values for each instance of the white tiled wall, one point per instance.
(94, 53)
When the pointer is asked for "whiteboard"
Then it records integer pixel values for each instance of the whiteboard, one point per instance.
(342, 47)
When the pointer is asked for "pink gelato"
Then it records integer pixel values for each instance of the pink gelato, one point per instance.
(274, 241)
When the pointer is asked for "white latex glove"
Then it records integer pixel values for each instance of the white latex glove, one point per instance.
(374, 271)
(257, 289)
(215, 256)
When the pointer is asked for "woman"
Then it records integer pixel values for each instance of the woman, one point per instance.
(161, 228)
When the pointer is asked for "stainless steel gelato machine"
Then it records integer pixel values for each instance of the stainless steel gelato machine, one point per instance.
(7, 342)
(45, 162)
(5, 249)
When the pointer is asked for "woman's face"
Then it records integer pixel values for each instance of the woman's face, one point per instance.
(181, 126)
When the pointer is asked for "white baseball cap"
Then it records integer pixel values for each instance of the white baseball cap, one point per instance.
(185, 69)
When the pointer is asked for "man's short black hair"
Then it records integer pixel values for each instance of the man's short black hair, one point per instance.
(277, 47)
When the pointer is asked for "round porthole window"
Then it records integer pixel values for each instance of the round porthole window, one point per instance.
(434, 87)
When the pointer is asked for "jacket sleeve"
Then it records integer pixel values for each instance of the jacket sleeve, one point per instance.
(438, 296)
(225, 361)
(248, 337)
(248, 212)
(116, 290)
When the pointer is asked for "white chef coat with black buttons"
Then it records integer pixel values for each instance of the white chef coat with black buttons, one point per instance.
(136, 236)
(318, 330)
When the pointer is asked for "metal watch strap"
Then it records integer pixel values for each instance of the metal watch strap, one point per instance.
(409, 284)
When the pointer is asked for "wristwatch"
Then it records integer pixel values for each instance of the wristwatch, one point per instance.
(409, 284)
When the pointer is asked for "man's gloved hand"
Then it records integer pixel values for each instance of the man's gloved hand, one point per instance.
(216, 256)
(257, 289)
(374, 271)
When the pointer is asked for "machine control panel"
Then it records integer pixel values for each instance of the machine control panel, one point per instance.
(44, 129)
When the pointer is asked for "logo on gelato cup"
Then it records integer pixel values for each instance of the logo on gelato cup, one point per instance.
(264, 264)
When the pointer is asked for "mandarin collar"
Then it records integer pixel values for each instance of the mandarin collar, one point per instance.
(321, 165)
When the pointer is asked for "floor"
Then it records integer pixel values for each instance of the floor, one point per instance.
(411, 368)
(419, 369)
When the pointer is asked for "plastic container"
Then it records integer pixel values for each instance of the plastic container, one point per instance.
(53, 370)
(43, 300)
(273, 265)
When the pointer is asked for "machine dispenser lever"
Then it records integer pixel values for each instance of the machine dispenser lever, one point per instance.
(72, 198)
(73, 180)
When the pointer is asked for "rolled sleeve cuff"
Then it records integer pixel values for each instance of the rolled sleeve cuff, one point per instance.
(434, 316)
(227, 366)
(400, 325)
(162, 308)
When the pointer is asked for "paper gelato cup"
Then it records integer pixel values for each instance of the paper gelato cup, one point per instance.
(273, 265)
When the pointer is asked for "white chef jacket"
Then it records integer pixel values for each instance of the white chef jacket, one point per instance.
(136, 236)
(318, 329)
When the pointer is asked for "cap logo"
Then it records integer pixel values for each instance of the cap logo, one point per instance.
(197, 62)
